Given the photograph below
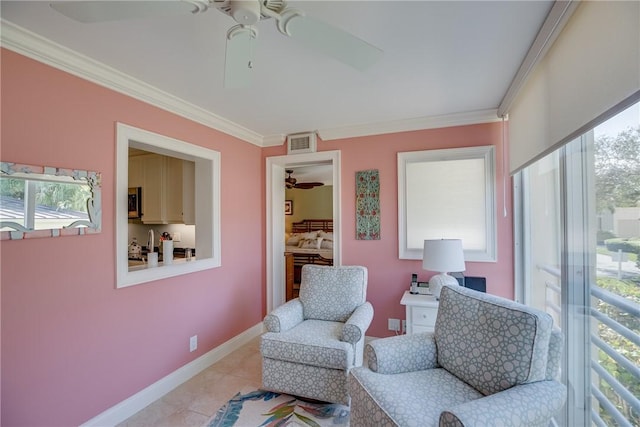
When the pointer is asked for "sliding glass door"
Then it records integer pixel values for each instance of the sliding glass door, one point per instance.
(577, 249)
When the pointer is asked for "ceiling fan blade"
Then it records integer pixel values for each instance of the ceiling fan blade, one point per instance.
(102, 11)
(308, 185)
(238, 66)
(334, 42)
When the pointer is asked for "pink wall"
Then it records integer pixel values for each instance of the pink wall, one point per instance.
(389, 276)
(72, 344)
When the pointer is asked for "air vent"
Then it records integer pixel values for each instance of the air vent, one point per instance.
(301, 143)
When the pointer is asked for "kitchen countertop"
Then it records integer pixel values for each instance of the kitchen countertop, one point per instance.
(177, 253)
(178, 256)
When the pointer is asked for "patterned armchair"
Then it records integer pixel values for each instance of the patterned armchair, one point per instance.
(313, 341)
(490, 362)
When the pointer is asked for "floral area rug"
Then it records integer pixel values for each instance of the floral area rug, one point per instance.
(261, 408)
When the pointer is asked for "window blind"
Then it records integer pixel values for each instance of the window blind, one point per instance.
(590, 72)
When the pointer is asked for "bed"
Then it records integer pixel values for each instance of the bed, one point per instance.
(311, 237)
(310, 242)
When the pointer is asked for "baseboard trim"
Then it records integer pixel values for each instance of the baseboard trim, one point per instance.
(125, 409)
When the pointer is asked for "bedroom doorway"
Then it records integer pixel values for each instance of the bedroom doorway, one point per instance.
(275, 204)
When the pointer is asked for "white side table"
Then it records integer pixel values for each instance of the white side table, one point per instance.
(421, 312)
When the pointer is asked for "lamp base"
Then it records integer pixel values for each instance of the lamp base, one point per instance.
(438, 281)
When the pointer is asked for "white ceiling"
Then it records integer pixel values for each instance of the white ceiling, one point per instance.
(441, 58)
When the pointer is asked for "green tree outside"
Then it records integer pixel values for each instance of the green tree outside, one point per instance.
(57, 195)
(617, 170)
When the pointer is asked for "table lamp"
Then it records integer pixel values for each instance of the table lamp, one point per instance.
(443, 256)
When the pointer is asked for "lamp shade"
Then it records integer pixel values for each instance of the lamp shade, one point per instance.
(443, 255)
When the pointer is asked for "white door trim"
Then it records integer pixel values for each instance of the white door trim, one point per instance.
(275, 217)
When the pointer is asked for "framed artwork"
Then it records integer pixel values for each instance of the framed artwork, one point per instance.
(135, 202)
(288, 207)
(368, 205)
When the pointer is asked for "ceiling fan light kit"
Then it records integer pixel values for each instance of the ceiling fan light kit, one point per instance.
(238, 64)
(245, 12)
(320, 36)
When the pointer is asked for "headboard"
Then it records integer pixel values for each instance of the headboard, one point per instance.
(307, 225)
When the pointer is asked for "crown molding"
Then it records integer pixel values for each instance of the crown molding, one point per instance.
(41, 49)
(34, 46)
(273, 140)
(419, 123)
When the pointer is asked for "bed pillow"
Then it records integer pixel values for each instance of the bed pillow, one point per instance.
(326, 244)
(293, 240)
(309, 235)
(325, 235)
(310, 243)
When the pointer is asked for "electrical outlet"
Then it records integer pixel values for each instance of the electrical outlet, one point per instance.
(176, 237)
(193, 343)
(394, 325)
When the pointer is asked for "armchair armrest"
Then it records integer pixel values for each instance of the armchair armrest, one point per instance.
(525, 404)
(284, 317)
(404, 353)
(356, 326)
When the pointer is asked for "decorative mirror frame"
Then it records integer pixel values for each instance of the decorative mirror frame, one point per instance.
(76, 228)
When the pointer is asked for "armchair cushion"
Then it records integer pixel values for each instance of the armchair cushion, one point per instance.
(332, 293)
(312, 342)
(355, 328)
(404, 353)
(506, 345)
(556, 344)
(531, 404)
(284, 317)
(409, 399)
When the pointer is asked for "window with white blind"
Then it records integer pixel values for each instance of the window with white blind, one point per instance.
(447, 194)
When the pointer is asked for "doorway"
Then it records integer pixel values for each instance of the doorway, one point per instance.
(275, 202)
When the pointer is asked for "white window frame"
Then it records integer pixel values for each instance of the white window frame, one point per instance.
(487, 154)
(577, 269)
(207, 200)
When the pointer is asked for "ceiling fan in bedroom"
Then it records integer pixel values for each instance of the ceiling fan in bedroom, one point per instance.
(291, 182)
(291, 22)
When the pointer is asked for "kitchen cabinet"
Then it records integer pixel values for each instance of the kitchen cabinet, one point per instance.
(152, 200)
(188, 192)
(135, 172)
(161, 179)
(172, 192)
(168, 188)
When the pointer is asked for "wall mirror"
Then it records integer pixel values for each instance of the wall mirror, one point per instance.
(43, 201)
(448, 194)
(144, 162)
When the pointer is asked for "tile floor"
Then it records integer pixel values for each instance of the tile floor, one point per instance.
(195, 401)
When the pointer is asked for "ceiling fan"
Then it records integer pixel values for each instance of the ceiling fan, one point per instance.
(318, 35)
(290, 182)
